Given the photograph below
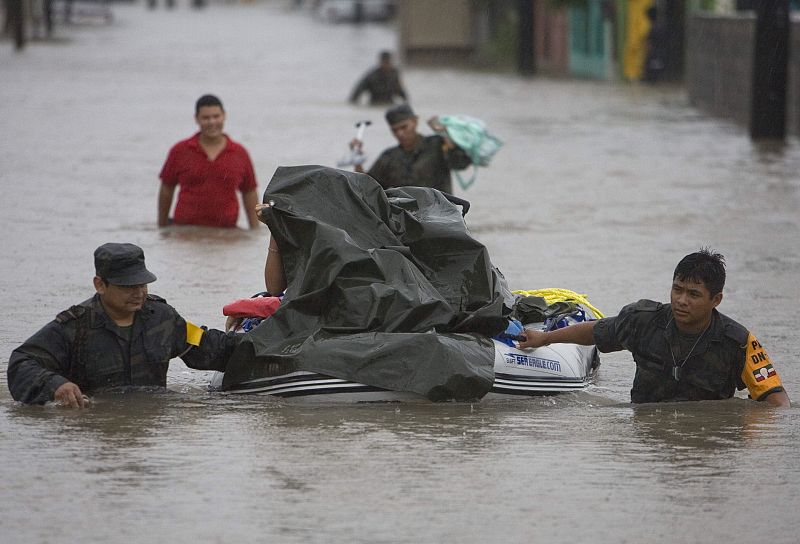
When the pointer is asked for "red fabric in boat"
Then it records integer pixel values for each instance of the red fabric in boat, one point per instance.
(252, 307)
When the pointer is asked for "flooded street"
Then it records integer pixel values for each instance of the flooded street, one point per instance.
(601, 188)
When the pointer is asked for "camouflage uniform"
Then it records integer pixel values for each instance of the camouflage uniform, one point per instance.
(382, 86)
(427, 165)
(725, 358)
(83, 345)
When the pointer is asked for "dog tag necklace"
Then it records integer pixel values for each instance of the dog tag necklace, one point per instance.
(676, 368)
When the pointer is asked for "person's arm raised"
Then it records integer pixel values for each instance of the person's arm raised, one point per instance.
(274, 275)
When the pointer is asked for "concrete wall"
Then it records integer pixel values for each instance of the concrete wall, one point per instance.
(436, 32)
(719, 67)
(551, 34)
(719, 64)
(458, 32)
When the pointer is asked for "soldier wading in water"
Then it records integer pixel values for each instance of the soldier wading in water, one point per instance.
(685, 350)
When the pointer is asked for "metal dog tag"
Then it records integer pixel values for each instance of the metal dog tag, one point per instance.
(676, 373)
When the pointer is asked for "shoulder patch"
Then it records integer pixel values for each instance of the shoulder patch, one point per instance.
(74, 312)
(155, 298)
(645, 305)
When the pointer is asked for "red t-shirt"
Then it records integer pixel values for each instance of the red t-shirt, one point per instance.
(207, 194)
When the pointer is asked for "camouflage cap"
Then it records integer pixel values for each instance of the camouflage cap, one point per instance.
(398, 114)
(122, 264)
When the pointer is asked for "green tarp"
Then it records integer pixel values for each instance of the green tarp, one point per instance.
(385, 288)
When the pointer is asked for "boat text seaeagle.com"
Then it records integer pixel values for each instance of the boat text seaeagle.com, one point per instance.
(535, 362)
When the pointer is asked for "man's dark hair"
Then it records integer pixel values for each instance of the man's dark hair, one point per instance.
(207, 100)
(704, 266)
(385, 56)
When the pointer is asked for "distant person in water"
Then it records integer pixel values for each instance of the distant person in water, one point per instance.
(382, 83)
(684, 350)
(416, 160)
(209, 168)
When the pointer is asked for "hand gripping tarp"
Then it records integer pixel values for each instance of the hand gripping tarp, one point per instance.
(386, 289)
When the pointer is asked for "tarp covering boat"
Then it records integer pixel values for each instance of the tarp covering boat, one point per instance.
(385, 288)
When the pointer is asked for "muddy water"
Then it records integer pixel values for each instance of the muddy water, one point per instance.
(600, 188)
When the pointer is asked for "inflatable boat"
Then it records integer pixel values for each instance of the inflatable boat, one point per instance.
(548, 370)
(389, 297)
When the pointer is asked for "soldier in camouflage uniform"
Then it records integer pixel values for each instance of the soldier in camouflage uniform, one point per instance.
(381, 83)
(685, 350)
(122, 336)
(420, 161)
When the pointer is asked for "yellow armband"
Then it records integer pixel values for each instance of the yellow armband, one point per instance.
(193, 334)
(758, 375)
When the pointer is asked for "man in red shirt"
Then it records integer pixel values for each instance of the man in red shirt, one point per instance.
(209, 167)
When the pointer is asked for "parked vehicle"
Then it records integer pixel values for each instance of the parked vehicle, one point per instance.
(344, 11)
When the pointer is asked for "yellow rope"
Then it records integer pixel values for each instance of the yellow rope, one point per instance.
(554, 294)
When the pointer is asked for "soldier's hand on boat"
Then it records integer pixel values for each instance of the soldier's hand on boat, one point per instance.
(233, 323)
(531, 339)
(356, 145)
(70, 395)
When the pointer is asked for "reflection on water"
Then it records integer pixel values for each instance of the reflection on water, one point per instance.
(255, 461)
(705, 426)
(600, 188)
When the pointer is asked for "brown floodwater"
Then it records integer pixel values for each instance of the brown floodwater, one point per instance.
(600, 188)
